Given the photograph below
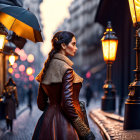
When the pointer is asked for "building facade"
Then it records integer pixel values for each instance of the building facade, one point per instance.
(88, 34)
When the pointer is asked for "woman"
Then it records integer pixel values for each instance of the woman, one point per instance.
(58, 94)
(11, 102)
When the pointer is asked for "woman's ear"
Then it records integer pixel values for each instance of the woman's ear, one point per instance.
(63, 46)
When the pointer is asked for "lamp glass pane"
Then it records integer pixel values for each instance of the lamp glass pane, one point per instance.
(135, 10)
(2, 41)
(11, 59)
(109, 49)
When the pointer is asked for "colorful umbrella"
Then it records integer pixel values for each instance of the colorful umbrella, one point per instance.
(21, 21)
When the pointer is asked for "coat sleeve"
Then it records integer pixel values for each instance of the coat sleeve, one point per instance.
(68, 106)
(42, 99)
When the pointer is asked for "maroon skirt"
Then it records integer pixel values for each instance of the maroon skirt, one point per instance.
(53, 125)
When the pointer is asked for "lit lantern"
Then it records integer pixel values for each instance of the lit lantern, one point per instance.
(12, 59)
(109, 44)
(3, 34)
(29, 71)
(135, 10)
(2, 41)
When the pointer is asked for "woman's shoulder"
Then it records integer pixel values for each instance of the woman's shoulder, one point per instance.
(55, 72)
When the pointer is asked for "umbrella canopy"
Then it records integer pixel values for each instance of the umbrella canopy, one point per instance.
(12, 2)
(21, 21)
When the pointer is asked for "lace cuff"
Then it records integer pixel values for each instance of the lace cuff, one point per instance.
(81, 127)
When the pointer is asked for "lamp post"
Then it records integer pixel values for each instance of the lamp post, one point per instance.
(132, 104)
(109, 47)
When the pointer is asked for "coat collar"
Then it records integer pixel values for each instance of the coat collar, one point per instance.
(63, 58)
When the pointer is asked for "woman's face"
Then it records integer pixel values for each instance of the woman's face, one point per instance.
(71, 47)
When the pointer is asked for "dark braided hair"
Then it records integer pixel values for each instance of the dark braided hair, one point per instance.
(59, 38)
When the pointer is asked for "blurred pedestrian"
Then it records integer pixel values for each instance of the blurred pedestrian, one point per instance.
(11, 102)
(88, 94)
(62, 118)
(29, 95)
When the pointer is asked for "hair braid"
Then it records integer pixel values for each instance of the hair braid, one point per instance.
(47, 62)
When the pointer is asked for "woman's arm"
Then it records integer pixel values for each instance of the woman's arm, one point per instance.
(69, 109)
(42, 99)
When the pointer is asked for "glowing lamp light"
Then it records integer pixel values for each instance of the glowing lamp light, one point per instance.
(109, 44)
(2, 41)
(31, 78)
(135, 10)
(21, 68)
(10, 70)
(12, 59)
(29, 71)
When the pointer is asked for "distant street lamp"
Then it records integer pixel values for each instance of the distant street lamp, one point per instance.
(109, 47)
(3, 34)
(12, 59)
(132, 104)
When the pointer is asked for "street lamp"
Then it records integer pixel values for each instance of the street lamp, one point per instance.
(109, 47)
(132, 104)
(3, 34)
(12, 59)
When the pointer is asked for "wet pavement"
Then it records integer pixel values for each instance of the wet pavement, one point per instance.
(23, 126)
(111, 126)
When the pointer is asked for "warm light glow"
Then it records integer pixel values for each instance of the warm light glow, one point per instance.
(23, 56)
(17, 50)
(17, 75)
(14, 65)
(135, 10)
(109, 49)
(2, 41)
(29, 71)
(30, 58)
(88, 74)
(12, 59)
(21, 68)
(10, 70)
(31, 78)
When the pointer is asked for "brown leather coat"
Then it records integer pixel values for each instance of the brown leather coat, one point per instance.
(62, 118)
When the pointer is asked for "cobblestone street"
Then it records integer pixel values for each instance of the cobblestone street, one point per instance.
(23, 126)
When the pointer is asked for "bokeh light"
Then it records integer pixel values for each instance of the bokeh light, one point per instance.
(10, 70)
(88, 74)
(31, 78)
(17, 50)
(23, 56)
(21, 68)
(17, 75)
(30, 58)
(29, 71)
(14, 65)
